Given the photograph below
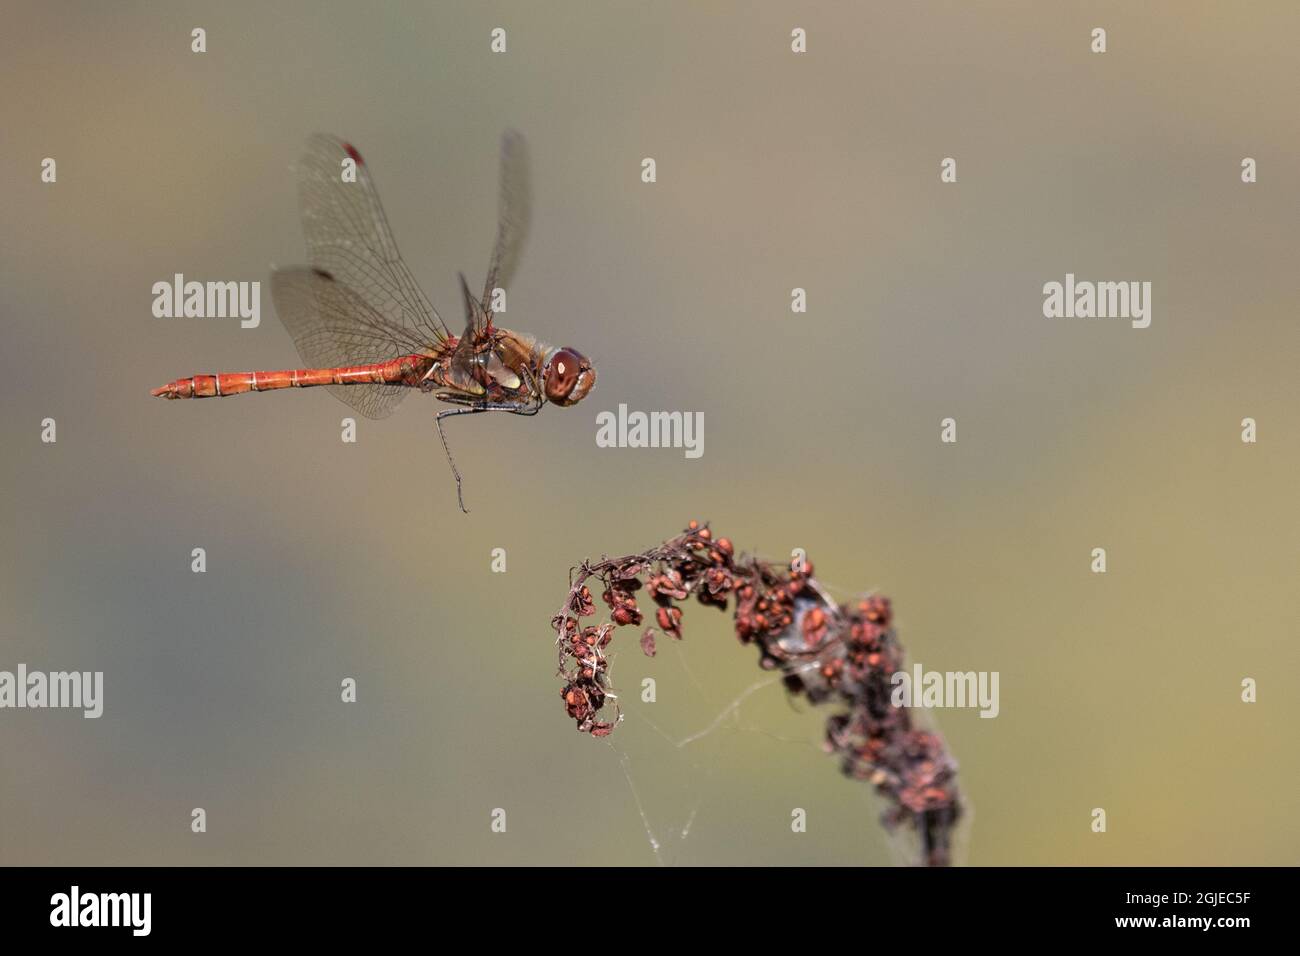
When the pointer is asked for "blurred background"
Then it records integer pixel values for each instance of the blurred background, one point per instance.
(821, 171)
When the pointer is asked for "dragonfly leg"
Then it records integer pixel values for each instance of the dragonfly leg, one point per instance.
(460, 499)
(473, 410)
(535, 400)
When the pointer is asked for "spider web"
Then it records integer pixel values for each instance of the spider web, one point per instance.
(670, 758)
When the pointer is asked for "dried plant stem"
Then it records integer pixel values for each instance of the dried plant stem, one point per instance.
(824, 650)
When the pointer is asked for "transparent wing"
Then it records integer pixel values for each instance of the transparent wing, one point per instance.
(471, 355)
(514, 215)
(348, 237)
(332, 326)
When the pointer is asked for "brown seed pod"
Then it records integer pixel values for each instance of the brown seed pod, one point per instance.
(846, 652)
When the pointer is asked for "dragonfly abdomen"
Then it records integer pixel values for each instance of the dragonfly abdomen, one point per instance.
(405, 370)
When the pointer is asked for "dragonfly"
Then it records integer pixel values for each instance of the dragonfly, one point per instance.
(370, 335)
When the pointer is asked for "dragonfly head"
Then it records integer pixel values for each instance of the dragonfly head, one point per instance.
(567, 376)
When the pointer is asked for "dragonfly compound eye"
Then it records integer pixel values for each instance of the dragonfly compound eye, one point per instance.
(569, 377)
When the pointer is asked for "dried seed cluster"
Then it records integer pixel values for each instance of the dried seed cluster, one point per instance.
(824, 649)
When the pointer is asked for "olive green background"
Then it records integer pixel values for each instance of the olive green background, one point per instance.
(821, 171)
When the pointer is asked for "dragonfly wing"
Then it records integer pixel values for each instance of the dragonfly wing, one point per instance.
(333, 326)
(474, 346)
(514, 215)
(348, 237)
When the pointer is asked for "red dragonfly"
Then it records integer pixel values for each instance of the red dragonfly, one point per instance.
(368, 332)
